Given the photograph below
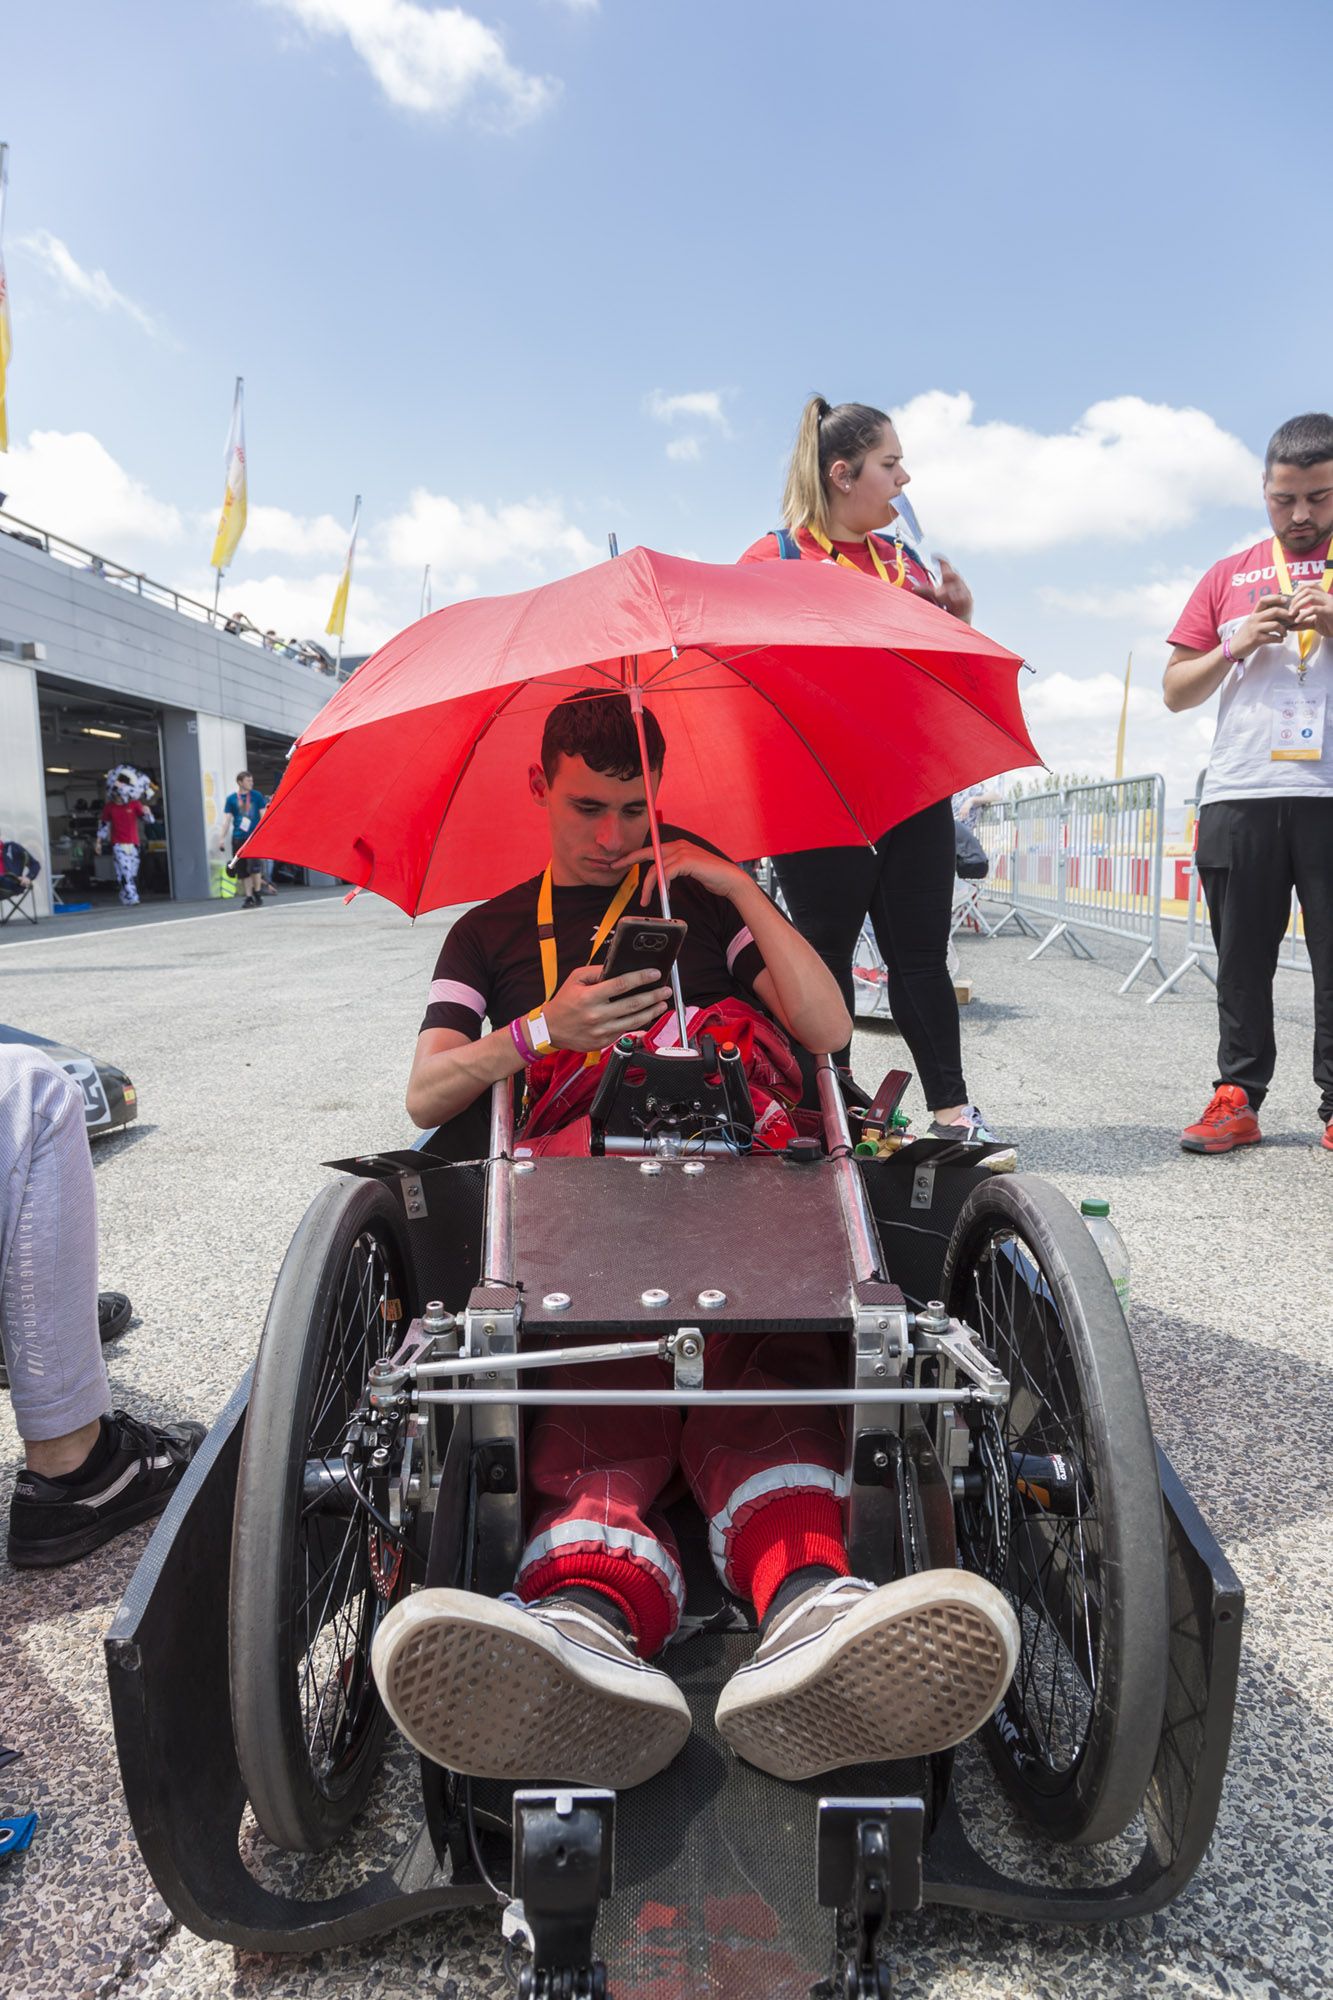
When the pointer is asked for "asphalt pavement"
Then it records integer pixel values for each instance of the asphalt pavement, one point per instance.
(263, 1042)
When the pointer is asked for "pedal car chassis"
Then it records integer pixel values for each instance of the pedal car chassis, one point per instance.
(688, 1837)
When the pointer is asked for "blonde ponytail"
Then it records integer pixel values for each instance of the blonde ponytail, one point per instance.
(803, 497)
(825, 435)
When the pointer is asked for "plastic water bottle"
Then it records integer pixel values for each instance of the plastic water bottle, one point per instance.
(1096, 1212)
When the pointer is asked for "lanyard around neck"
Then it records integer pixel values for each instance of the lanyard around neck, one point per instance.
(546, 925)
(1308, 640)
(899, 577)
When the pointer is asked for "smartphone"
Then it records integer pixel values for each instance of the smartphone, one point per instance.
(644, 944)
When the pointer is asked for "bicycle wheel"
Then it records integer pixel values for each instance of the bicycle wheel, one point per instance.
(1083, 1560)
(311, 1575)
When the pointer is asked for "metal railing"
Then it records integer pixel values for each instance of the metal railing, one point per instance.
(1200, 944)
(143, 586)
(1085, 859)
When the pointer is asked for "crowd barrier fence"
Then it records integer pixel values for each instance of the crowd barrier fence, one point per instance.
(1088, 858)
(1199, 943)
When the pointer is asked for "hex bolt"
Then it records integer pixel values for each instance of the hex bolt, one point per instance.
(712, 1301)
(654, 1297)
(556, 1302)
(880, 1461)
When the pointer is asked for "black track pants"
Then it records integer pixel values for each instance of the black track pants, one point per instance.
(905, 885)
(1252, 854)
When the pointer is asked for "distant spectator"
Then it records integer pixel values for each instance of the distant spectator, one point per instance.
(234, 623)
(240, 816)
(270, 641)
(18, 869)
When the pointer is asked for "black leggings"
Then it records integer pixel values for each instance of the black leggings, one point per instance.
(904, 884)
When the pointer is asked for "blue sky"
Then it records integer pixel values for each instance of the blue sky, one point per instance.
(471, 260)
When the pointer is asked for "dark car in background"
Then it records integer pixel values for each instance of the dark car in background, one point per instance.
(110, 1101)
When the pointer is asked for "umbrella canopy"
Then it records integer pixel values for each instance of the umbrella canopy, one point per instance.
(802, 705)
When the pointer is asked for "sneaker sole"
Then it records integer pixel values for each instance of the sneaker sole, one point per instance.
(479, 1687)
(58, 1549)
(1220, 1146)
(890, 1680)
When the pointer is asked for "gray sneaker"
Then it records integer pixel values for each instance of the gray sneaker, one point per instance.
(501, 1689)
(972, 1130)
(857, 1674)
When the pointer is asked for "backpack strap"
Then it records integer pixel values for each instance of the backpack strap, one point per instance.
(788, 547)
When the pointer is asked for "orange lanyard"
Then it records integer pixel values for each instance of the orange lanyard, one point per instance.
(899, 577)
(546, 925)
(1308, 640)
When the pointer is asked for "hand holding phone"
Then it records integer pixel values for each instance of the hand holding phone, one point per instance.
(645, 944)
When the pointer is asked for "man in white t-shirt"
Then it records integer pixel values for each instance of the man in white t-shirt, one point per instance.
(1260, 627)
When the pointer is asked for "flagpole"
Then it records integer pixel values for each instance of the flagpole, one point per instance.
(1124, 718)
(4, 296)
(425, 593)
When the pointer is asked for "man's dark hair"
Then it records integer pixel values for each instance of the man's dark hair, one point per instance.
(1303, 441)
(243, 774)
(600, 729)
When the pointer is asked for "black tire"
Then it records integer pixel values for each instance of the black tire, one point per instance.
(1075, 1737)
(304, 1602)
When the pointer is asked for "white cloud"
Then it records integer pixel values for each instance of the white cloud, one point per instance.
(94, 287)
(1073, 722)
(705, 404)
(430, 59)
(275, 531)
(1151, 606)
(68, 482)
(685, 450)
(1126, 469)
(525, 538)
(298, 607)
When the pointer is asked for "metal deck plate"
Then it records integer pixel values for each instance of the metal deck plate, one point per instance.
(764, 1232)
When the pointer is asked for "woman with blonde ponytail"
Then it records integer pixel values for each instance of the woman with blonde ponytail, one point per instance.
(846, 472)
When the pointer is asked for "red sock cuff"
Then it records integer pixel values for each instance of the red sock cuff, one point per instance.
(790, 1531)
(646, 1602)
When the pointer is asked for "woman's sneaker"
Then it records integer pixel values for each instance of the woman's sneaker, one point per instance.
(502, 1689)
(1227, 1121)
(137, 1466)
(856, 1674)
(972, 1130)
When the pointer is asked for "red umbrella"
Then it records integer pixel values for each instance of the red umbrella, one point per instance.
(803, 706)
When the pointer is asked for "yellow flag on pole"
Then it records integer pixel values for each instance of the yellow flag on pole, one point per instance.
(338, 616)
(6, 336)
(231, 523)
(1124, 717)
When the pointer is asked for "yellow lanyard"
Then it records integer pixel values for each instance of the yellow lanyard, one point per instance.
(899, 578)
(1308, 640)
(546, 924)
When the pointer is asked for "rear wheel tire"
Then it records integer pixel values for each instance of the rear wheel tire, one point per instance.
(1075, 1738)
(311, 1581)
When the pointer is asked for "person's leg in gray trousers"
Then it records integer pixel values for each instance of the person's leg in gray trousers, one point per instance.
(48, 1250)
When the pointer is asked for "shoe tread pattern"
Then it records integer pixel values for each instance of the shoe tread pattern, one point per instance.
(913, 1684)
(494, 1704)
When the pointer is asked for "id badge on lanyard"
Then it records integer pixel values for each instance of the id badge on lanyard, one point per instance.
(1297, 725)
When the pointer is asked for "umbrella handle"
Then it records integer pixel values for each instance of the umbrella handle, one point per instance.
(636, 709)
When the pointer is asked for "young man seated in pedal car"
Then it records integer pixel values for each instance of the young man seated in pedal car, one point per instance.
(555, 1681)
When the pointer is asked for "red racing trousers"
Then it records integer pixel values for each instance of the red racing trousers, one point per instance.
(769, 1482)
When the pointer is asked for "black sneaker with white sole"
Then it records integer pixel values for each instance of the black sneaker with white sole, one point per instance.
(128, 1477)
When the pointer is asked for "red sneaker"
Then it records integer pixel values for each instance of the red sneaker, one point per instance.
(1327, 1141)
(1227, 1122)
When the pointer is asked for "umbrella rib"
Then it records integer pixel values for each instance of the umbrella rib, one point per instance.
(806, 745)
(493, 717)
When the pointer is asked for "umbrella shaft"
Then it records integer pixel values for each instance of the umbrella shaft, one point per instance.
(655, 833)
